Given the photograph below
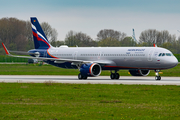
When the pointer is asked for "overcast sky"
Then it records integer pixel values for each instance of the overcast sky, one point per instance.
(94, 15)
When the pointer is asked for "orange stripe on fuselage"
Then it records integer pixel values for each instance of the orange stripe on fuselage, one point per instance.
(51, 55)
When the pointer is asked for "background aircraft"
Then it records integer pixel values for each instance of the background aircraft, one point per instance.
(92, 60)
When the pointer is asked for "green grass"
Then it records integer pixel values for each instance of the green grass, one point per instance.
(52, 101)
(23, 69)
(177, 56)
(5, 58)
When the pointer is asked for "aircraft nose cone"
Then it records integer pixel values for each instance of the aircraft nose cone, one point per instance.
(171, 62)
(174, 62)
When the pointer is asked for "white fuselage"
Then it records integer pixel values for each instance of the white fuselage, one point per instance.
(119, 57)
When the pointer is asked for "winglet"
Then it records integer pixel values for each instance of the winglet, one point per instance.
(155, 45)
(6, 50)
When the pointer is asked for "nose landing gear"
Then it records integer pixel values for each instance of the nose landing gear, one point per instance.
(157, 75)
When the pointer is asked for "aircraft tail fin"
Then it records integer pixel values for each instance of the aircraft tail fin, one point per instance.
(40, 39)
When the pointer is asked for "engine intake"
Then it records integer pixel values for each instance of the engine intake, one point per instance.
(90, 69)
(138, 72)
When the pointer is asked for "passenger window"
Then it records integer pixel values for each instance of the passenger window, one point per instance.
(163, 54)
(160, 54)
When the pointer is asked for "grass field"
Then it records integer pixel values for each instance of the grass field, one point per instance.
(23, 69)
(55, 101)
(5, 58)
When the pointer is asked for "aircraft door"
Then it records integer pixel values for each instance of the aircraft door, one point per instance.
(150, 54)
(99, 55)
(75, 55)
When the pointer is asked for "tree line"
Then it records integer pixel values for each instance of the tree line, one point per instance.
(17, 35)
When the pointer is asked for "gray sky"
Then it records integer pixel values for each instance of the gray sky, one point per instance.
(91, 16)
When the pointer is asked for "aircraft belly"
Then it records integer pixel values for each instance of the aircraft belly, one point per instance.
(136, 64)
(130, 63)
(67, 65)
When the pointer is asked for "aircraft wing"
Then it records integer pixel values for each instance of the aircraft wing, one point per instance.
(58, 60)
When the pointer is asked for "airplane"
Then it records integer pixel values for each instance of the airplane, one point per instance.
(92, 60)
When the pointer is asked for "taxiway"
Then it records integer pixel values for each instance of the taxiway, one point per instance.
(91, 80)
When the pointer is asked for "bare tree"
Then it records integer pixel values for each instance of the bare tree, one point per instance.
(110, 34)
(70, 39)
(148, 36)
(30, 44)
(47, 30)
(164, 37)
(13, 33)
(84, 39)
(152, 36)
(54, 37)
(178, 41)
(17, 34)
(51, 33)
(80, 39)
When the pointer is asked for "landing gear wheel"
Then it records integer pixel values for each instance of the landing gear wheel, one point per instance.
(158, 77)
(113, 75)
(80, 77)
(117, 76)
(84, 77)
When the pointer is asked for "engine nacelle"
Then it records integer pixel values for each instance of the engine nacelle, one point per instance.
(90, 69)
(138, 72)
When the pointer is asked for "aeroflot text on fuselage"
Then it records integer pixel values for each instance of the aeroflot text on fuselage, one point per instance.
(136, 49)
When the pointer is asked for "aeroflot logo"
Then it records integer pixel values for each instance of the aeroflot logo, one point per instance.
(136, 49)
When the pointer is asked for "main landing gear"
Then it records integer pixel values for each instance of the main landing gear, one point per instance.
(80, 77)
(114, 75)
(157, 75)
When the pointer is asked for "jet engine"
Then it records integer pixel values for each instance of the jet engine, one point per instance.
(138, 72)
(90, 69)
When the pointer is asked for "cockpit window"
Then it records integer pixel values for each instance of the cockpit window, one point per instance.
(165, 54)
(168, 54)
